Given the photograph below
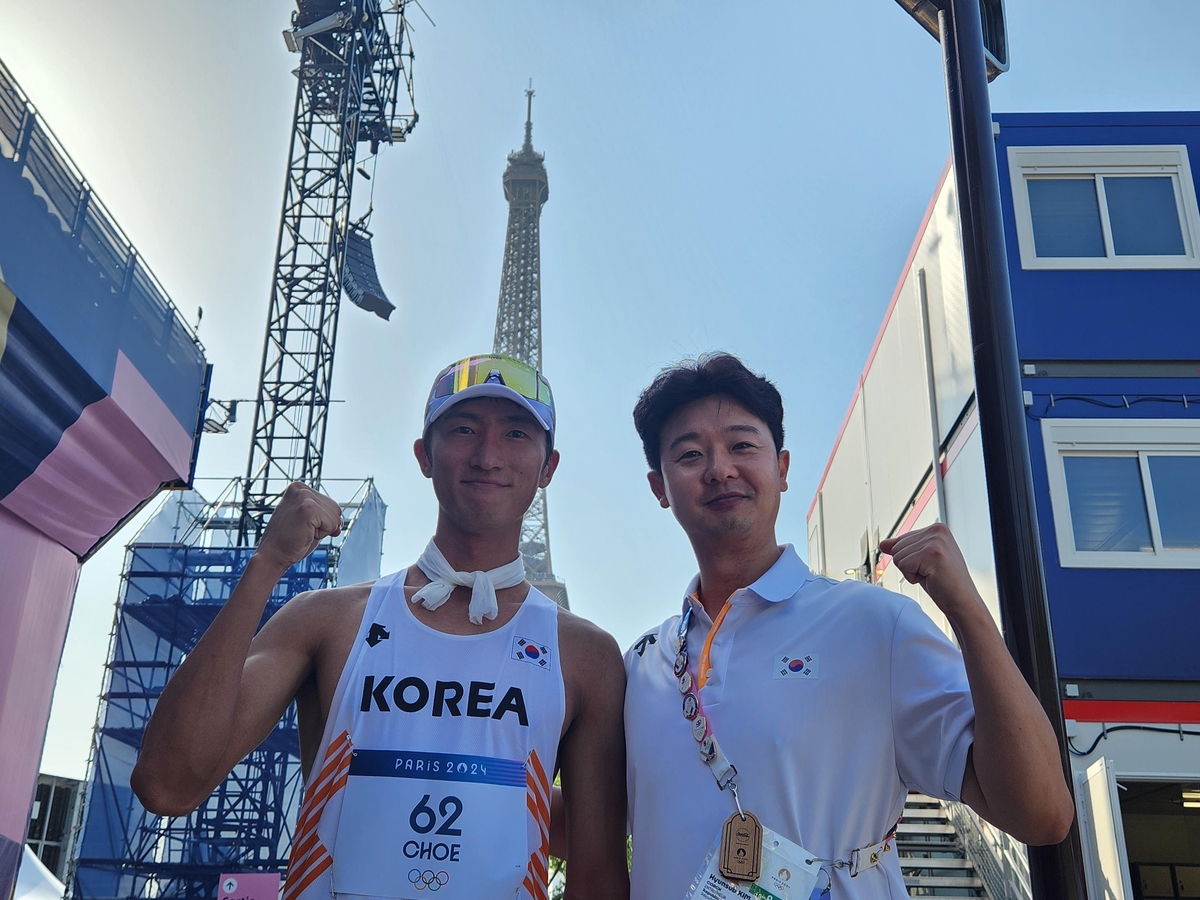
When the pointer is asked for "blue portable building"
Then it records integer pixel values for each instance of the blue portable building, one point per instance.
(1103, 235)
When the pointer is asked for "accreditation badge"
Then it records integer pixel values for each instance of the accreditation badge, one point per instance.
(415, 824)
(787, 872)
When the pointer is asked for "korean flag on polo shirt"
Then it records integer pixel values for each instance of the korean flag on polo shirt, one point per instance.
(531, 652)
(799, 665)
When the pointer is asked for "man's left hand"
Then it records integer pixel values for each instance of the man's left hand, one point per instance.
(1014, 776)
(931, 558)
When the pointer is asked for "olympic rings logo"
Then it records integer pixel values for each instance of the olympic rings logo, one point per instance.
(428, 880)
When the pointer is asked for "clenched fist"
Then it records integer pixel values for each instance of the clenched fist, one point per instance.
(302, 520)
(931, 558)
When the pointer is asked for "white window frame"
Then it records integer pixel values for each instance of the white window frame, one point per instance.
(1109, 437)
(1025, 163)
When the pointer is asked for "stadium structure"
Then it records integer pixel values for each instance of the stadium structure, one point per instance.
(102, 386)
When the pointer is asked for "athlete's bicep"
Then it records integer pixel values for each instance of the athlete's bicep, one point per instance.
(593, 778)
(279, 661)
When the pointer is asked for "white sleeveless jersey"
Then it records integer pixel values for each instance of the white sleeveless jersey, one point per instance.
(433, 774)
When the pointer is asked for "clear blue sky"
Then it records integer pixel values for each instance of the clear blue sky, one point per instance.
(743, 176)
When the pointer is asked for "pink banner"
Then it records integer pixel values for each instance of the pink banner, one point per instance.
(248, 886)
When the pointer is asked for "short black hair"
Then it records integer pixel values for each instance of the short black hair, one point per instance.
(695, 379)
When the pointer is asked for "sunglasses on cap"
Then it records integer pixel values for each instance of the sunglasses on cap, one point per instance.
(491, 375)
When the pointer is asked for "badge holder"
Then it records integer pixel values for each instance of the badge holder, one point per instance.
(741, 844)
(788, 872)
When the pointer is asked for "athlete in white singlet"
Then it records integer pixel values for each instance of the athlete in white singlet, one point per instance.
(435, 705)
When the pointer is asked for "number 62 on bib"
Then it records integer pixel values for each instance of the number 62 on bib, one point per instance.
(415, 823)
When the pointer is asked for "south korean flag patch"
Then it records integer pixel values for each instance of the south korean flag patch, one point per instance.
(800, 665)
(531, 652)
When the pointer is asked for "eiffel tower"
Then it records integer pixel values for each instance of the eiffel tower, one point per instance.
(519, 322)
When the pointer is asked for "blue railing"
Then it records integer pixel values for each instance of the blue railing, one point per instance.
(26, 140)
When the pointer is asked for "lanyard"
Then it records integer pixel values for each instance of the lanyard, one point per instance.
(722, 769)
(724, 772)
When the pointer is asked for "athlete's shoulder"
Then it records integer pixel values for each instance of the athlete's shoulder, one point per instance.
(590, 662)
(584, 639)
(312, 615)
(331, 600)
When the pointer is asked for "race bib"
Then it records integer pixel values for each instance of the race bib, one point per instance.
(788, 872)
(415, 824)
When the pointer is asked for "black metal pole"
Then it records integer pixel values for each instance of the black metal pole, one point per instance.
(1056, 872)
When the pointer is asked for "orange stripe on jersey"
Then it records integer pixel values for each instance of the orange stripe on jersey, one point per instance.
(309, 857)
(300, 850)
(303, 858)
(312, 875)
(531, 888)
(337, 756)
(332, 757)
(537, 800)
(539, 869)
(537, 805)
(330, 785)
(536, 765)
(312, 814)
(537, 889)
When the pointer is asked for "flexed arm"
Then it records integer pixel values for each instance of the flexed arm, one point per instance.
(1014, 777)
(229, 693)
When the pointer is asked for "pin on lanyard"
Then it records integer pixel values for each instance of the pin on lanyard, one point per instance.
(710, 751)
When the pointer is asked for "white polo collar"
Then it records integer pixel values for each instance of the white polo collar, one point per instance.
(780, 582)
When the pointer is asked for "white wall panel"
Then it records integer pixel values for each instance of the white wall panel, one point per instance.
(940, 254)
(1141, 754)
(870, 482)
(897, 411)
(816, 538)
(845, 498)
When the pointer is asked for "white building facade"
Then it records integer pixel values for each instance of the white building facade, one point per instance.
(1104, 260)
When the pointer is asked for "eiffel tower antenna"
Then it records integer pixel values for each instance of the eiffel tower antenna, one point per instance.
(529, 118)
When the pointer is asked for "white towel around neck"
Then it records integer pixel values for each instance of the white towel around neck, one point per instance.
(443, 579)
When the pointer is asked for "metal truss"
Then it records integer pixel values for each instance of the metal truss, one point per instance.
(171, 590)
(350, 77)
(519, 322)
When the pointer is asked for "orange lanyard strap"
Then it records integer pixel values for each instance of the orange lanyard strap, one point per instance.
(705, 664)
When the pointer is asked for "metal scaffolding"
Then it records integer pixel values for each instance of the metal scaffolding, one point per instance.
(178, 573)
(519, 322)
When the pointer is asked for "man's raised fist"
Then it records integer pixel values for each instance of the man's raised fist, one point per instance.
(931, 558)
(302, 520)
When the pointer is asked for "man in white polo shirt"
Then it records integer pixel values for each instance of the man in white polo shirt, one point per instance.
(778, 722)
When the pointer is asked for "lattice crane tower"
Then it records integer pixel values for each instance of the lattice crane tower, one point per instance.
(519, 321)
(354, 85)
